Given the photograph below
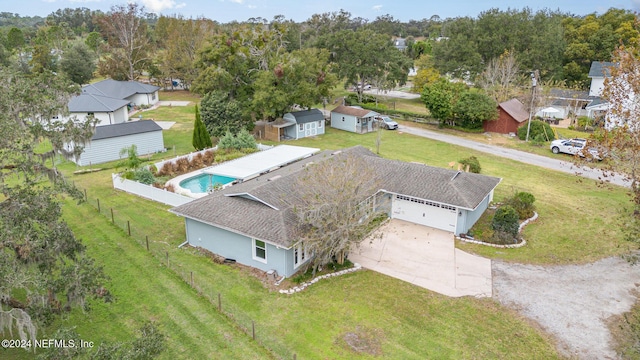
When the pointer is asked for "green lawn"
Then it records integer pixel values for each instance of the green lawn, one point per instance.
(396, 319)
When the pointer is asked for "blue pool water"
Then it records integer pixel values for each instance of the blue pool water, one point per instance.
(203, 182)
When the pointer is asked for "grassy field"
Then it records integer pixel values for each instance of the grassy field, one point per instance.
(392, 318)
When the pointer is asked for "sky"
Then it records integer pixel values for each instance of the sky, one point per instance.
(299, 10)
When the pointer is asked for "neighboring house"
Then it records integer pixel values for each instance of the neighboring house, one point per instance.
(400, 44)
(255, 222)
(136, 93)
(353, 118)
(296, 125)
(599, 71)
(109, 100)
(511, 115)
(106, 110)
(566, 102)
(109, 140)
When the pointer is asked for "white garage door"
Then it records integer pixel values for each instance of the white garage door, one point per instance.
(424, 213)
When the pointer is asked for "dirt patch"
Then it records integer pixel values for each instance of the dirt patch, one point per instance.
(363, 341)
(572, 302)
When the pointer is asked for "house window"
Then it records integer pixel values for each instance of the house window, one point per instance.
(259, 250)
(299, 255)
(343, 118)
(320, 123)
(301, 127)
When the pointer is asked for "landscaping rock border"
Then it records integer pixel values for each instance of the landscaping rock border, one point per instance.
(522, 243)
(304, 285)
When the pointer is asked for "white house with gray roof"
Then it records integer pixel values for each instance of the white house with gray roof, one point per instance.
(106, 110)
(254, 222)
(136, 93)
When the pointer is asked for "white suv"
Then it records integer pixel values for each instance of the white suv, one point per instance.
(573, 147)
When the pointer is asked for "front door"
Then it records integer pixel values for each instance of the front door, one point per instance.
(310, 129)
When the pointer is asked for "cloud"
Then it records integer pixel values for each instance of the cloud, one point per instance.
(237, 1)
(377, 7)
(157, 6)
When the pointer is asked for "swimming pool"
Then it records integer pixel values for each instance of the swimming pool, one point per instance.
(203, 182)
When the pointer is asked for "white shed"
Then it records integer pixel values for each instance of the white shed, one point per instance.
(109, 140)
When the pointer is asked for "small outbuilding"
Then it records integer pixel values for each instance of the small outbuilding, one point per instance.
(109, 140)
(296, 125)
(353, 118)
(511, 115)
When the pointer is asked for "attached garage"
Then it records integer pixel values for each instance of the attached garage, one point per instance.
(423, 212)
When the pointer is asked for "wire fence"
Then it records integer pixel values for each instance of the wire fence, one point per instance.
(162, 251)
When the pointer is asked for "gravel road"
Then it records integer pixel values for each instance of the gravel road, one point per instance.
(571, 302)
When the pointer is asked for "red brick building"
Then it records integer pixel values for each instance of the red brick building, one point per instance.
(512, 115)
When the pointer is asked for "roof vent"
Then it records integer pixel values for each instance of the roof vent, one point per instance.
(456, 175)
(274, 178)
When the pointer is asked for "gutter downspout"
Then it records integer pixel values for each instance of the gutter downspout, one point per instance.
(183, 244)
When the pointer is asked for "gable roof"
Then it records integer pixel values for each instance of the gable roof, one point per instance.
(307, 116)
(601, 69)
(515, 109)
(354, 111)
(119, 89)
(276, 222)
(126, 128)
(86, 102)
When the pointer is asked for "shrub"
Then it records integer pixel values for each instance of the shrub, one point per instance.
(505, 224)
(473, 164)
(166, 170)
(539, 130)
(522, 203)
(242, 140)
(144, 176)
(181, 165)
(208, 157)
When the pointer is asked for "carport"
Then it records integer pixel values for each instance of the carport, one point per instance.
(426, 257)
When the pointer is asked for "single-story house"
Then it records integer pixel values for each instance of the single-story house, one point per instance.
(511, 115)
(136, 93)
(353, 118)
(296, 125)
(109, 140)
(254, 222)
(106, 110)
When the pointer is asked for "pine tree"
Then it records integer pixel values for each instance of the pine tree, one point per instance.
(201, 139)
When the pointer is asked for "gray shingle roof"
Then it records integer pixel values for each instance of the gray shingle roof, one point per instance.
(600, 69)
(353, 111)
(254, 219)
(515, 109)
(119, 89)
(123, 129)
(306, 116)
(86, 102)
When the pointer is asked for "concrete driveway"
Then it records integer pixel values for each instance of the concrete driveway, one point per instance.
(425, 257)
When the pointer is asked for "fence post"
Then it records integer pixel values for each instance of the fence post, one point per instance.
(147, 240)
(219, 303)
(167, 258)
(112, 220)
(192, 279)
(98, 200)
(85, 195)
(253, 329)
(295, 357)
(128, 228)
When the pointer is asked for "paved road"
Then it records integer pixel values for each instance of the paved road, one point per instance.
(528, 158)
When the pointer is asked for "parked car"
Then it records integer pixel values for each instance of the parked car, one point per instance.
(574, 147)
(387, 123)
(366, 87)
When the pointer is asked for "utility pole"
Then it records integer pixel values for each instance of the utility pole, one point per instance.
(533, 96)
